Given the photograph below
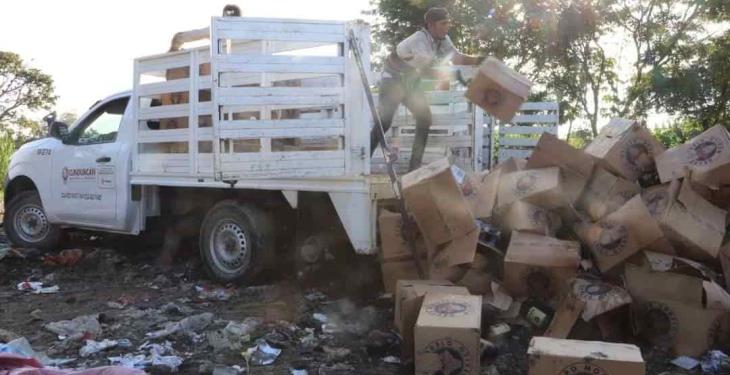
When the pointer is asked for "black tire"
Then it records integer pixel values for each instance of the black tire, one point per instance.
(235, 240)
(26, 224)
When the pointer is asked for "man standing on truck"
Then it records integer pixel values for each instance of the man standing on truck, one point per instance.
(413, 58)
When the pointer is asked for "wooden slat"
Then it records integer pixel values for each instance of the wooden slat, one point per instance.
(161, 112)
(281, 36)
(239, 79)
(280, 64)
(527, 129)
(287, 173)
(455, 141)
(282, 156)
(160, 63)
(506, 153)
(520, 119)
(280, 133)
(280, 92)
(157, 88)
(278, 26)
(521, 141)
(282, 124)
(537, 106)
(164, 135)
(259, 166)
(282, 102)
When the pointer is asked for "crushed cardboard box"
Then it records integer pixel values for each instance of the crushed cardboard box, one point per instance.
(447, 334)
(606, 193)
(409, 299)
(541, 187)
(498, 89)
(435, 199)
(620, 234)
(483, 196)
(565, 317)
(598, 297)
(706, 155)
(539, 266)
(527, 217)
(396, 259)
(626, 148)
(551, 356)
(685, 313)
(695, 227)
(575, 165)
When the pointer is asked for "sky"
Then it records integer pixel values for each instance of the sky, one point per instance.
(88, 47)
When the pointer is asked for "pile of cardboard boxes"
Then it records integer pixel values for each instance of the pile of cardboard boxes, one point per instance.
(599, 251)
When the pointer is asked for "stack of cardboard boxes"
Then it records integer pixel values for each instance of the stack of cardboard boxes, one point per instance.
(621, 232)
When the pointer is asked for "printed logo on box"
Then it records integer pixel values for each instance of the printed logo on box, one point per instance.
(592, 290)
(638, 155)
(705, 151)
(447, 309)
(455, 357)
(658, 322)
(612, 239)
(656, 202)
(583, 368)
(525, 184)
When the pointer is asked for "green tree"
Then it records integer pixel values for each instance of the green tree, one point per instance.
(22, 89)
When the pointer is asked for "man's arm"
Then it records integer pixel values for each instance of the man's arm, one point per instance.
(461, 59)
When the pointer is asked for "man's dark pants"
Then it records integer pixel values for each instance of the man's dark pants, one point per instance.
(392, 94)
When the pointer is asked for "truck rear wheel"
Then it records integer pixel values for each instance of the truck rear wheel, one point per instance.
(234, 239)
(26, 223)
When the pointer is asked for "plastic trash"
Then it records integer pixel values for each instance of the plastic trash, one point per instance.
(687, 363)
(36, 287)
(189, 325)
(320, 317)
(214, 294)
(262, 354)
(159, 355)
(93, 347)
(21, 346)
(85, 326)
(392, 360)
(715, 362)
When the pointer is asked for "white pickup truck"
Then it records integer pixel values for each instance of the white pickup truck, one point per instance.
(243, 134)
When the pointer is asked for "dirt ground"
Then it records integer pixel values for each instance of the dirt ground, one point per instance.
(339, 324)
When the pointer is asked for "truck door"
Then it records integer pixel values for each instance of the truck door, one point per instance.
(86, 178)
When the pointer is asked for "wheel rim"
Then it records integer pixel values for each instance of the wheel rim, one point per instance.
(31, 223)
(229, 247)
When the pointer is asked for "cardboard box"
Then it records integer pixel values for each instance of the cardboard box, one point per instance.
(541, 187)
(408, 304)
(404, 289)
(576, 165)
(477, 281)
(445, 260)
(669, 308)
(447, 334)
(606, 193)
(484, 194)
(626, 148)
(620, 234)
(706, 155)
(550, 356)
(598, 297)
(565, 317)
(539, 266)
(527, 217)
(510, 165)
(396, 260)
(498, 89)
(693, 225)
(435, 199)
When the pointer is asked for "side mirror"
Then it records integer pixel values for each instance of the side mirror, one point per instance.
(58, 130)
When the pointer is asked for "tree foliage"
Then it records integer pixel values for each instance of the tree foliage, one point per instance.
(597, 58)
(22, 89)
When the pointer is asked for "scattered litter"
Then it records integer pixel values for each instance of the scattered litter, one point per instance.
(391, 359)
(68, 258)
(189, 325)
(298, 372)
(93, 347)
(687, 363)
(227, 370)
(36, 287)
(715, 362)
(158, 355)
(115, 305)
(320, 317)
(174, 308)
(315, 296)
(335, 353)
(262, 354)
(207, 293)
(234, 335)
(81, 327)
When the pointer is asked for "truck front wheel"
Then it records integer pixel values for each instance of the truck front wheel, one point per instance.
(26, 223)
(234, 238)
